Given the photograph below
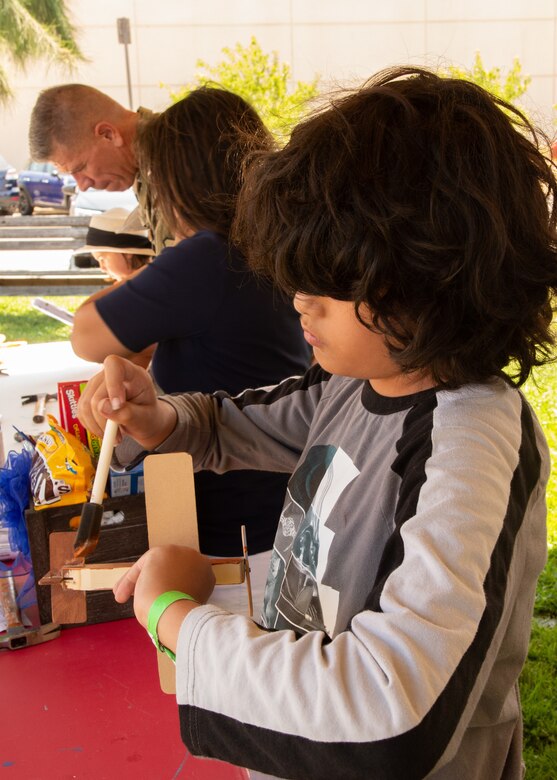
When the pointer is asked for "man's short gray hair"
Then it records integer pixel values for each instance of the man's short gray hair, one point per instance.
(64, 115)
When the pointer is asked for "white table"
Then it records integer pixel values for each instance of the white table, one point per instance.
(33, 369)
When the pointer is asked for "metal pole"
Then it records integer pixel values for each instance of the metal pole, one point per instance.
(124, 36)
(128, 76)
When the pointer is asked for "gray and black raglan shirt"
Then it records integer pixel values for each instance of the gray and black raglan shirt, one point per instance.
(400, 592)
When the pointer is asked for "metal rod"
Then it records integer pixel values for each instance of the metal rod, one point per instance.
(128, 76)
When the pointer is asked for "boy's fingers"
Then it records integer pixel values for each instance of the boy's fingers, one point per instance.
(131, 418)
(106, 393)
(126, 382)
(123, 590)
(125, 587)
(117, 373)
(87, 411)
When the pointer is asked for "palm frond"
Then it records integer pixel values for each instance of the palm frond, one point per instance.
(5, 90)
(28, 36)
(53, 15)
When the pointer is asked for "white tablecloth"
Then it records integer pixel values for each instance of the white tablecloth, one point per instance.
(32, 369)
(37, 368)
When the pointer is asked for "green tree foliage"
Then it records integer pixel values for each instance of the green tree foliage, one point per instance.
(31, 30)
(511, 88)
(262, 80)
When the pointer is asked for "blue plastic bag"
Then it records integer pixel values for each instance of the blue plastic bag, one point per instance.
(14, 499)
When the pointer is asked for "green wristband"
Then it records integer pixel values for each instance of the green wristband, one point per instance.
(159, 605)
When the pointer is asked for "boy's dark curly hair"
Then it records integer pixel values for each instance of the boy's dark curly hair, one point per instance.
(192, 156)
(431, 202)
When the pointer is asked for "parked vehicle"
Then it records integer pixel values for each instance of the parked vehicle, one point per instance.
(9, 192)
(41, 185)
(90, 202)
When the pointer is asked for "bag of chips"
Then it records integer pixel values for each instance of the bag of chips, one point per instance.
(62, 469)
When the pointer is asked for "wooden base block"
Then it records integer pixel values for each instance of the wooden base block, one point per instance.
(123, 541)
(68, 606)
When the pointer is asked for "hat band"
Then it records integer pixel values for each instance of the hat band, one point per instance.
(96, 237)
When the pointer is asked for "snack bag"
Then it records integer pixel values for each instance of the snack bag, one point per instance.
(68, 396)
(62, 469)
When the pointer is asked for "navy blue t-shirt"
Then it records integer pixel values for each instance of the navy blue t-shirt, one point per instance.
(217, 327)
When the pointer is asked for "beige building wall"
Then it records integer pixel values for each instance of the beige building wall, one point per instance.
(343, 41)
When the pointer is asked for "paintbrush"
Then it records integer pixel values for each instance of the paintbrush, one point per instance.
(91, 513)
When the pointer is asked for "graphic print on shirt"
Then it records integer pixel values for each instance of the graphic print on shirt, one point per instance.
(295, 595)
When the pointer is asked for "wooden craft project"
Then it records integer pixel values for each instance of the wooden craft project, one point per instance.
(171, 519)
(104, 576)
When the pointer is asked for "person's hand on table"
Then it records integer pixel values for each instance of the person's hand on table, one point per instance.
(124, 392)
(163, 569)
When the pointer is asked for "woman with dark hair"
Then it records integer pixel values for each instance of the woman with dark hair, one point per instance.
(216, 325)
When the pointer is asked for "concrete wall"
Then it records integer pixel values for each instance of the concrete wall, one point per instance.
(343, 41)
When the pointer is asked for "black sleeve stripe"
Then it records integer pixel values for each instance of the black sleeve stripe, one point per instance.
(314, 375)
(414, 478)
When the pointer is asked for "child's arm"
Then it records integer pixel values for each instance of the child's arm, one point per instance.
(164, 569)
(259, 429)
(262, 429)
(125, 392)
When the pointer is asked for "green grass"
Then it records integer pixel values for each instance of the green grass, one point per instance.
(546, 593)
(537, 682)
(541, 391)
(19, 321)
(538, 689)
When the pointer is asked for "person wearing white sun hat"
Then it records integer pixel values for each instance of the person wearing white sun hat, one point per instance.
(122, 251)
(119, 250)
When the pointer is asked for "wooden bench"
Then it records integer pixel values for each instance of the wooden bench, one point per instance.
(42, 232)
(52, 232)
(52, 283)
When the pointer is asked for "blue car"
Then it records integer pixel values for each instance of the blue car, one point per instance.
(9, 196)
(41, 185)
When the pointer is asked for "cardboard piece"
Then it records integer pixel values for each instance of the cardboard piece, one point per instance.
(171, 519)
(170, 500)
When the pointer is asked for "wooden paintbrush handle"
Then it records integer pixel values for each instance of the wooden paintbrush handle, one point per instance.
(101, 474)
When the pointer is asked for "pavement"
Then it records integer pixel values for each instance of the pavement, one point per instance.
(35, 260)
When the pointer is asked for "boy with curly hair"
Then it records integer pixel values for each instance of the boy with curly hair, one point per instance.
(414, 222)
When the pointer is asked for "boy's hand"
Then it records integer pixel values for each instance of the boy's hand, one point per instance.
(124, 392)
(166, 568)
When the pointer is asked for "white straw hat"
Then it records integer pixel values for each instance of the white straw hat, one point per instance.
(111, 232)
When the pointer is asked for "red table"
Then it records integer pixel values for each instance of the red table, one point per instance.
(88, 705)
